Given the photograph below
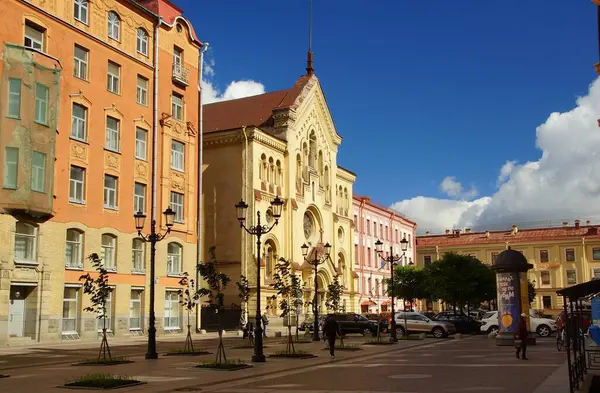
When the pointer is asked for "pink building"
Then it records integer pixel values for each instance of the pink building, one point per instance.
(373, 222)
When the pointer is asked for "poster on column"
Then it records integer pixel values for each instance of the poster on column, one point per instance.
(508, 301)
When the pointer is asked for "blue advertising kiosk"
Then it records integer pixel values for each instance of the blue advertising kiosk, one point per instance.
(511, 281)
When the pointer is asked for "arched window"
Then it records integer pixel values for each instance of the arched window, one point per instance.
(25, 241)
(81, 10)
(261, 167)
(304, 161)
(278, 173)
(137, 257)
(108, 251)
(270, 255)
(114, 26)
(312, 154)
(298, 172)
(346, 200)
(271, 170)
(174, 257)
(326, 182)
(74, 249)
(320, 163)
(142, 41)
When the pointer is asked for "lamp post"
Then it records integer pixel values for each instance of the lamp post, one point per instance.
(153, 238)
(315, 263)
(258, 230)
(392, 261)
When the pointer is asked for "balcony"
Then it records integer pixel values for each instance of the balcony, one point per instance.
(180, 75)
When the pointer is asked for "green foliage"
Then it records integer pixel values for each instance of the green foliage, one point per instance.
(410, 283)
(530, 291)
(288, 287)
(216, 281)
(102, 381)
(243, 289)
(226, 365)
(189, 298)
(97, 288)
(333, 296)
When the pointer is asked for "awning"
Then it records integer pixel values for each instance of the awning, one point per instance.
(386, 303)
(368, 303)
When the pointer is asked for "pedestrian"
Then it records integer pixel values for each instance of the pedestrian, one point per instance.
(265, 321)
(521, 334)
(244, 324)
(331, 329)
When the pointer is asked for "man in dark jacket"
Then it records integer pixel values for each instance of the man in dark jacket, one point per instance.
(331, 329)
(521, 334)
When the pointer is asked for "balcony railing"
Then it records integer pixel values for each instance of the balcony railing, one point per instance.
(180, 74)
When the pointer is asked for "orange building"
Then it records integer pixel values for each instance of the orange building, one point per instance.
(94, 95)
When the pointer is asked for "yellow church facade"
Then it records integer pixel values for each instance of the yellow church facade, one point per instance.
(285, 144)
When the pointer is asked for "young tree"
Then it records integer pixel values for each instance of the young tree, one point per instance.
(99, 292)
(216, 282)
(530, 291)
(408, 284)
(333, 300)
(287, 285)
(189, 298)
(244, 294)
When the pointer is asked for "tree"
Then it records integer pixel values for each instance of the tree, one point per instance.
(189, 298)
(99, 292)
(287, 285)
(244, 294)
(333, 298)
(216, 282)
(530, 291)
(409, 283)
(485, 283)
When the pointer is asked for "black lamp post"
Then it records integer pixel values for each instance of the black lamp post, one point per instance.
(392, 261)
(258, 230)
(315, 263)
(153, 238)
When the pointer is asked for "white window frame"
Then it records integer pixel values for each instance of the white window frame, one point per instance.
(567, 276)
(574, 254)
(81, 11)
(174, 259)
(133, 301)
(177, 205)
(594, 273)
(177, 106)
(138, 255)
(113, 21)
(111, 192)
(542, 301)
(34, 42)
(139, 200)
(549, 283)
(78, 123)
(113, 134)
(76, 249)
(172, 301)
(38, 171)
(81, 66)
(142, 41)
(41, 104)
(69, 300)
(177, 155)
(108, 251)
(113, 81)
(30, 242)
(14, 98)
(141, 145)
(11, 168)
(110, 311)
(142, 91)
(77, 186)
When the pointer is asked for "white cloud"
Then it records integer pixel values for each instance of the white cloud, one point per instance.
(564, 184)
(234, 90)
(454, 189)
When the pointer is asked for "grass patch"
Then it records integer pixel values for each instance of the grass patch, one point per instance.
(347, 347)
(294, 355)
(375, 342)
(230, 365)
(185, 352)
(104, 362)
(103, 381)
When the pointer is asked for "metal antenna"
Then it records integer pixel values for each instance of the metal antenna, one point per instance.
(309, 58)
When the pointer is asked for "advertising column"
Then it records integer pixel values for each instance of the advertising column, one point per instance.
(509, 302)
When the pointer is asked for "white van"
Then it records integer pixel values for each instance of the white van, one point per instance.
(542, 326)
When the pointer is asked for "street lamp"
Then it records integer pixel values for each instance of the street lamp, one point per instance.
(153, 238)
(258, 230)
(392, 260)
(315, 263)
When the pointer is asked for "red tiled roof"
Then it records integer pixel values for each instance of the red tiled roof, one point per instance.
(522, 236)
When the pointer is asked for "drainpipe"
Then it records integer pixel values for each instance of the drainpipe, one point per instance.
(199, 211)
(361, 251)
(245, 197)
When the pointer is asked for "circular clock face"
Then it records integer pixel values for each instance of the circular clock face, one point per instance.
(269, 216)
(308, 225)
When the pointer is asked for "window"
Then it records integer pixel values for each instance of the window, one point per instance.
(14, 98)
(34, 36)
(80, 62)
(544, 256)
(139, 197)
(137, 247)
(547, 301)
(368, 227)
(374, 229)
(177, 106)
(108, 251)
(177, 205)
(113, 77)
(356, 256)
(174, 252)
(596, 273)
(596, 254)
(105, 320)
(25, 242)
(11, 167)
(368, 256)
(135, 309)
(110, 191)
(112, 134)
(42, 94)
(80, 10)
(171, 321)
(142, 90)
(142, 42)
(79, 122)
(494, 256)
(177, 60)
(141, 136)
(74, 249)
(114, 26)
(545, 275)
(38, 171)
(76, 184)
(177, 155)
(570, 254)
(70, 310)
(427, 260)
(571, 277)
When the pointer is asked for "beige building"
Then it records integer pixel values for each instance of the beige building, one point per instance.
(280, 143)
(561, 256)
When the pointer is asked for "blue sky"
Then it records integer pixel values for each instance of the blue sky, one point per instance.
(419, 90)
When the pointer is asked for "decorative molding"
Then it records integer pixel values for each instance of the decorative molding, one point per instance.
(112, 161)
(113, 108)
(79, 151)
(177, 126)
(177, 181)
(345, 175)
(81, 96)
(191, 129)
(143, 120)
(141, 169)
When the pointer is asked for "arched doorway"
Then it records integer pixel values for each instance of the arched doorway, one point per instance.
(321, 293)
(341, 265)
(270, 255)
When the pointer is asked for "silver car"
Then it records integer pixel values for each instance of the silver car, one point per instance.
(416, 322)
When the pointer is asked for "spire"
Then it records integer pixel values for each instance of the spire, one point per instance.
(309, 57)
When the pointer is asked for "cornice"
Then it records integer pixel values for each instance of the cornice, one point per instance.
(343, 175)
(232, 137)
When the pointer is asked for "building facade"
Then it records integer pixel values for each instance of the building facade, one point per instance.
(561, 256)
(373, 222)
(281, 143)
(85, 119)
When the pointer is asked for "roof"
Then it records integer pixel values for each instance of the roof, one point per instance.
(169, 13)
(521, 236)
(346, 170)
(251, 111)
(581, 290)
(368, 201)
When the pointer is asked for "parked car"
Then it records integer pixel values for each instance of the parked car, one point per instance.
(463, 323)
(309, 323)
(542, 326)
(419, 323)
(380, 319)
(354, 323)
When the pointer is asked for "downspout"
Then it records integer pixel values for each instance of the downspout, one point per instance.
(199, 210)
(361, 251)
(155, 123)
(244, 235)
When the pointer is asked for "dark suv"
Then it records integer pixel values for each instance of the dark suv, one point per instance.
(354, 323)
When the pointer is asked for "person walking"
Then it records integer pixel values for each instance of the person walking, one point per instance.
(521, 334)
(331, 329)
(265, 321)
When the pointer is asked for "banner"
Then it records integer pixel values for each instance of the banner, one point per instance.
(509, 301)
